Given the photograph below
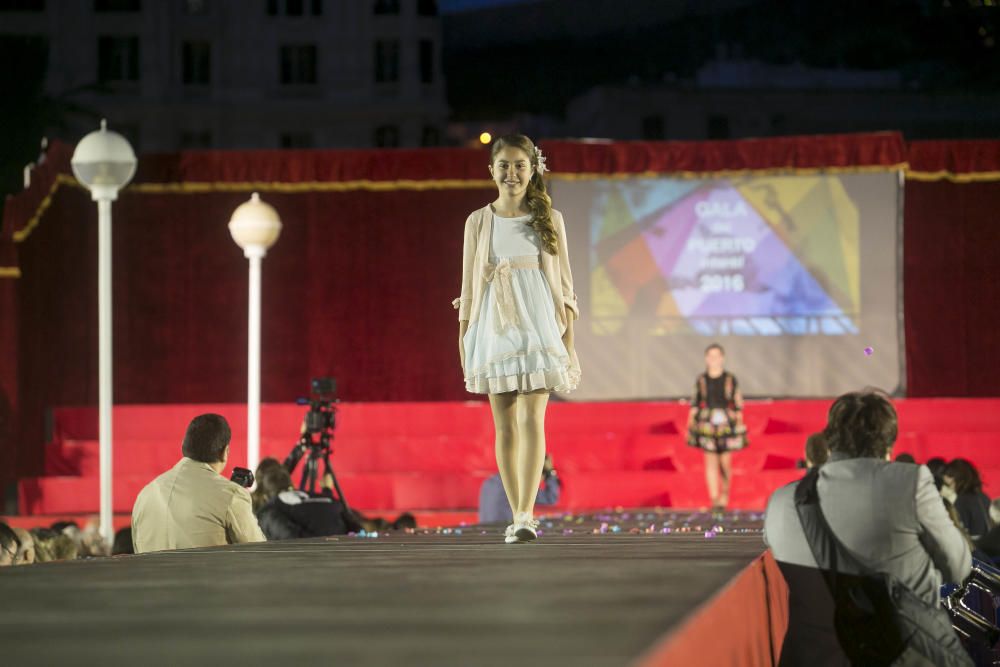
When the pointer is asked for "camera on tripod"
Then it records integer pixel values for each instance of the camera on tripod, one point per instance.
(314, 443)
(322, 415)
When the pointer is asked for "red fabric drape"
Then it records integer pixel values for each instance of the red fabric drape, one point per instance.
(951, 245)
(957, 157)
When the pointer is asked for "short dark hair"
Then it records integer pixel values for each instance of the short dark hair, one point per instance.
(817, 452)
(206, 438)
(715, 346)
(862, 424)
(937, 465)
(905, 458)
(965, 475)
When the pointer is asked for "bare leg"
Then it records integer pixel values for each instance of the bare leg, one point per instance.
(505, 425)
(531, 447)
(726, 468)
(712, 476)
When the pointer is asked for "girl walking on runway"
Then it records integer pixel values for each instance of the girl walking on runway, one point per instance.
(516, 316)
(715, 424)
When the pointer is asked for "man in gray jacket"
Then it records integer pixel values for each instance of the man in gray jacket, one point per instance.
(890, 516)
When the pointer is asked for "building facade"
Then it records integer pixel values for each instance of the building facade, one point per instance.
(241, 74)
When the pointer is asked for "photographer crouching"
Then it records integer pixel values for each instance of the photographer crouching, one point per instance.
(287, 513)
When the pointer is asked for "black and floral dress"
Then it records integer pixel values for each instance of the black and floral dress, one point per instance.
(718, 424)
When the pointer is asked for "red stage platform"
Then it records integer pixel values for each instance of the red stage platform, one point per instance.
(433, 456)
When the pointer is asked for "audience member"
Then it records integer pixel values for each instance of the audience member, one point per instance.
(817, 452)
(192, 505)
(285, 513)
(122, 545)
(905, 458)
(9, 545)
(863, 498)
(288, 513)
(494, 506)
(26, 554)
(972, 505)
(53, 546)
(937, 465)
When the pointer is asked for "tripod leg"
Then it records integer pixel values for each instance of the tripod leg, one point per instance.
(328, 467)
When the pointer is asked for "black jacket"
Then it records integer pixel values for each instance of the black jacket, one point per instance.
(295, 514)
(973, 509)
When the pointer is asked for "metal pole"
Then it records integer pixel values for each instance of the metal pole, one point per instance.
(254, 254)
(104, 363)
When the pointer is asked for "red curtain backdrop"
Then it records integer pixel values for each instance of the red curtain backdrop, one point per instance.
(359, 284)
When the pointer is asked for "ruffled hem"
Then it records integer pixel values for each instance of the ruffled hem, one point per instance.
(524, 372)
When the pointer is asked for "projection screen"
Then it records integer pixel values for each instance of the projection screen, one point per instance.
(794, 275)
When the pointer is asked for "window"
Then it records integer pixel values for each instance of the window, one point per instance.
(298, 64)
(387, 136)
(431, 136)
(427, 7)
(386, 61)
(196, 66)
(653, 128)
(195, 139)
(196, 7)
(117, 5)
(386, 6)
(296, 140)
(22, 5)
(117, 58)
(294, 7)
(718, 127)
(426, 61)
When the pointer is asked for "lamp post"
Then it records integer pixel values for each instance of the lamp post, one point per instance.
(255, 226)
(104, 163)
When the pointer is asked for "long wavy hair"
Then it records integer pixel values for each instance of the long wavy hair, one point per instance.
(536, 197)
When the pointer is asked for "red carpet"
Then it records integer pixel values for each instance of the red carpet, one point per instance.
(433, 456)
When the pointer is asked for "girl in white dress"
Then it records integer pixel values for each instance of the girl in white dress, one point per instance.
(516, 317)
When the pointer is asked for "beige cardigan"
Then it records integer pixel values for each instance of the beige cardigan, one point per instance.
(476, 258)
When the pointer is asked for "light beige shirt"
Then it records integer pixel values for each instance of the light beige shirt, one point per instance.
(189, 506)
(476, 261)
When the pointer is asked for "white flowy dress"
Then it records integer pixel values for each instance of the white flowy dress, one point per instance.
(515, 343)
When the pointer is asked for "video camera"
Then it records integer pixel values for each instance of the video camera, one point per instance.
(322, 415)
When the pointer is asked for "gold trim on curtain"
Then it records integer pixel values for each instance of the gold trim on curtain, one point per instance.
(456, 184)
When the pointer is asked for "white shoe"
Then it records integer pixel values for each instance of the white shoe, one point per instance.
(508, 535)
(525, 528)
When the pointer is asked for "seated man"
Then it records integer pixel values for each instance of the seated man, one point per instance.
(494, 506)
(192, 505)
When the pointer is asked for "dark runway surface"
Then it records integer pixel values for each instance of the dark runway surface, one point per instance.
(436, 599)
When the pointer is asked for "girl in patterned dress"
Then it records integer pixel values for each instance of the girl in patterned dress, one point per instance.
(715, 423)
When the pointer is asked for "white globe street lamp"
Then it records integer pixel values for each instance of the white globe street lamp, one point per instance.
(255, 226)
(104, 163)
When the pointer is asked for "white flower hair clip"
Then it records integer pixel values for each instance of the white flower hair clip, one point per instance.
(540, 159)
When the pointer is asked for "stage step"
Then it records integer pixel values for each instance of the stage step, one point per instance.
(403, 456)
